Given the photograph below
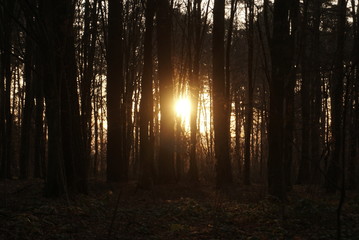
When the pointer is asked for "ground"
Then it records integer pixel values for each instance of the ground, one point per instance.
(172, 212)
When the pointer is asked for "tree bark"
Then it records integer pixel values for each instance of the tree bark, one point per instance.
(166, 152)
(26, 127)
(281, 66)
(116, 171)
(249, 106)
(336, 93)
(220, 105)
(146, 105)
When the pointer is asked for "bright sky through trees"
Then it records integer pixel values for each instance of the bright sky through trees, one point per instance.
(183, 110)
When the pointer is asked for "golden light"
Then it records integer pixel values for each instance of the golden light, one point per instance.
(183, 111)
(183, 108)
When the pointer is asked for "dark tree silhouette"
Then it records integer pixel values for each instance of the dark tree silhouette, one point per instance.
(146, 107)
(67, 164)
(220, 105)
(166, 149)
(281, 66)
(336, 92)
(117, 167)
(249, 105)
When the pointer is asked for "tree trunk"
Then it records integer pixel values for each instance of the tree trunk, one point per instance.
(66, 161)
(194, 88)
(166, 151)
(316, 95)
(336, 93)
(26, 127)
(6, 151)
(115, 98)
(89, 47)
(249, 107)
(281, 65)
(304, 168)
(146, 105)
(220, 105)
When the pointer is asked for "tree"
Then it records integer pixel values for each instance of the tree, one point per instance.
(281, 65)
(117, 167)
(249, 106)
(66, 170)
(29, 103)
(219, 103)
(194, 87)
(7, 8)
(88, 47)
(166, 152)
(336, 92)
(146, 107)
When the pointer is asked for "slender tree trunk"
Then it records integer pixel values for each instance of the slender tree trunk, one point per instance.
(317, 95)
(304, 168)
(75, 156)
(166, 151)
(55, 183)
(336, 92)
(281, 66)
(28, 109)
(6, 156)
(146, 105)
(115, 89)
(289, 95)
(220, 105)
(249, 107)
(67, 164)
(194, 87)
(89, 47)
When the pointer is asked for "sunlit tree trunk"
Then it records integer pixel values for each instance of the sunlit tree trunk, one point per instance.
(220, 105)
(116, 171)
(166, 152)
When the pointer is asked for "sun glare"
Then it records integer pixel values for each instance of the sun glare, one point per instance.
(183, 109)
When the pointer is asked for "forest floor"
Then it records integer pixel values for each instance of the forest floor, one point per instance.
(172, 212)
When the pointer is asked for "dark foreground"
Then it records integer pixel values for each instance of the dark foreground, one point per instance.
(172, 212)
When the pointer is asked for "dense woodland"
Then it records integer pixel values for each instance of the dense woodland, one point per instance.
(240, 96)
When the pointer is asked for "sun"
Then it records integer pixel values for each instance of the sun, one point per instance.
(183, 109)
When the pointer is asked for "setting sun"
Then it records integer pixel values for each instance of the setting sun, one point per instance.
(183, 108)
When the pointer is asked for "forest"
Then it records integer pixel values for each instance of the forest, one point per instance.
(179, 119)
